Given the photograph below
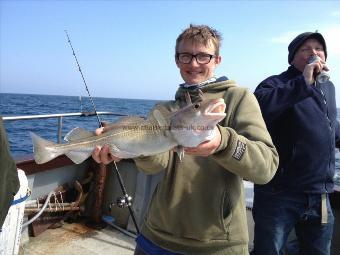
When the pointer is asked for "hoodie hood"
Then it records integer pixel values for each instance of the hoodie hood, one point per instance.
(220, 85)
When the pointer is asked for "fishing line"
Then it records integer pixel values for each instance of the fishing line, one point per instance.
(87, 89)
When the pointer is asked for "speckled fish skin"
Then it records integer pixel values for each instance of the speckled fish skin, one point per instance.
(134, 136)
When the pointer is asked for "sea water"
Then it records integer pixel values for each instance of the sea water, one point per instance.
(21, 104)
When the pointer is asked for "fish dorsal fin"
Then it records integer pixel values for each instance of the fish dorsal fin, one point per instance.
(159, 117)
(77, 134)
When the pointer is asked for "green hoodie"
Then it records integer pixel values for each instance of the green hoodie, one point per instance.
(199, 207)
(9, 182)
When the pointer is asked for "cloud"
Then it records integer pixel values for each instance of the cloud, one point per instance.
(331, 32)
(335, 13)
(332, 37)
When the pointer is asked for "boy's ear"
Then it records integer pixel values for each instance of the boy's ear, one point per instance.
(176, 60)
(218, 60)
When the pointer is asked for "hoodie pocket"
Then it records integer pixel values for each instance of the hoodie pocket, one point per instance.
(191, 218)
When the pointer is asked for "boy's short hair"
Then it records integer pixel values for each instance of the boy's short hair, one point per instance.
(201, 34)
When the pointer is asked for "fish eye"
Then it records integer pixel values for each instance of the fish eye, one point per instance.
(196, 106)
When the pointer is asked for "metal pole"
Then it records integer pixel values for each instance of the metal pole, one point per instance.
(60, 127)
(100, 178)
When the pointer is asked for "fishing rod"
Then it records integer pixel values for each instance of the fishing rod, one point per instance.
(126, 200)
(87, 89)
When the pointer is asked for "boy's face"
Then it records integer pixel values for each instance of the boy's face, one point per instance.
(193, 72)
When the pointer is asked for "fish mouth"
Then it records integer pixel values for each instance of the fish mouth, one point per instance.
(216, 109)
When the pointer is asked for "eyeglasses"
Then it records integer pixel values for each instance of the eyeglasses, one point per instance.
(201, 58)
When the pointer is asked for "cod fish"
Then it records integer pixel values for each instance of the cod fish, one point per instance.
(131, 137)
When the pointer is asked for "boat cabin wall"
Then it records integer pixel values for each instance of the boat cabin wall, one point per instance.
(42, 179)
(138, 185)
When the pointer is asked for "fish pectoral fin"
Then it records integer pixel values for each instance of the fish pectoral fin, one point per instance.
(77, 134)
(78, 156)
(180, 152)
(115, 151)
(159, 118)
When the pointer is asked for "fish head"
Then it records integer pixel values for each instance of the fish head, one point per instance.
(195, 123)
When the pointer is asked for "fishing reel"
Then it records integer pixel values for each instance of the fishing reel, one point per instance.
(121, 202)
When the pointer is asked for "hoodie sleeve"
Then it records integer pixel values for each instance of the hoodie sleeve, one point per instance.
(246, 147)
(153, 164)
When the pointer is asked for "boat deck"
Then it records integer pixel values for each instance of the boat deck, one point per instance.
(75, 239)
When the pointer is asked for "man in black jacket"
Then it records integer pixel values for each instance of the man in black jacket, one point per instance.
(300, 113)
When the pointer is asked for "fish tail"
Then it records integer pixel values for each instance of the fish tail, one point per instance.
(42, 153)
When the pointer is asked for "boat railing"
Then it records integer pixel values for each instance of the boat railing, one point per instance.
(60, 117)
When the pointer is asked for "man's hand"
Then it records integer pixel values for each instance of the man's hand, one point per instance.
(206, 148)
(102, 154)
(312, 69)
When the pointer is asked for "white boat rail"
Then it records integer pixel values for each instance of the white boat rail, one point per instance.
(60, 118)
